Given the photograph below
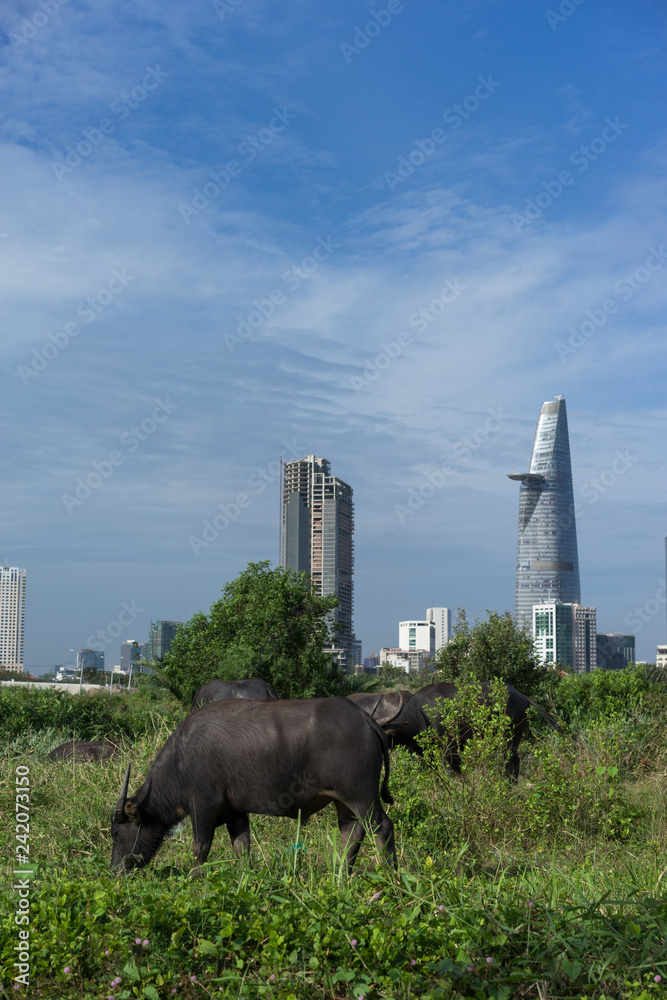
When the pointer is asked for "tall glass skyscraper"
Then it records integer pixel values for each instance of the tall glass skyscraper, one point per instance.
(547, 560)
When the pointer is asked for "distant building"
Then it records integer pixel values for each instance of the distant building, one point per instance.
(547, 557)
(442, 619)
(12, 617)
(661, 657)
(417, 635)
(64, 673)
(89, 658)
(614, 650)
(371, 663)
(565, 633)
(408, 660)
(161, 637)
(130, 655)
(317, 538)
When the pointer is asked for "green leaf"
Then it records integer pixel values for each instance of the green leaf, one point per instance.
(131, 970)
(205, 947)
(151, 993)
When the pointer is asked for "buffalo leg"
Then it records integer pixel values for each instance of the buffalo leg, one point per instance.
(352, 832)
(203, 838)
(239, 832)
(384, 835)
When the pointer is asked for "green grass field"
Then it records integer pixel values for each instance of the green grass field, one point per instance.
(554, 887)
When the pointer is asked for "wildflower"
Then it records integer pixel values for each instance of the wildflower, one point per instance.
(16, 986)
(137, 940)
(413, 961)
(441, 907)
(107, 952)
(145, 943)
(470, 968)
(531, 905)
(353, 942)
(658, 978)
(67, 969)
(489, 960)
(272, 976)
(376, 895)
(174, 990)
(193, 979)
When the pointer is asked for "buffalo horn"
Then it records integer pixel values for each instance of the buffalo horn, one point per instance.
(119, 812)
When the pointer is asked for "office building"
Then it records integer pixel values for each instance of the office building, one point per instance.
(614, 650)
(661, 657)
(131, 652)
(317, 538)
(565, 634)
(442, 619)
(547, 559)
(12, 617)
(161, 637)
(417, 635)
(89, 658)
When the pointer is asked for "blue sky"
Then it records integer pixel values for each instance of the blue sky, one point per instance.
(380, 233)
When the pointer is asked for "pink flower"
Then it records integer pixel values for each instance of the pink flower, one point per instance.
(658, 978)
(489, 960)
(137, 940)
(353, 942)
(193, 979)
(441, 907)
(174, 990)
(67, 969)
(375, 895)
(145, 943)
(107, 952)
(272, 976)
(531, 905)
(413, 962)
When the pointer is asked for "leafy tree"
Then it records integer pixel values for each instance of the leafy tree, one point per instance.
(269, 623)
(496, 647)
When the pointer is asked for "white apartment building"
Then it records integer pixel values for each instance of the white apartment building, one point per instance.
(12, 617)
(442, 619)
(566, 634)
(417, 635)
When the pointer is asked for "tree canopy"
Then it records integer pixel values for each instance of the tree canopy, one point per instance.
(495, 647)
(269, 623)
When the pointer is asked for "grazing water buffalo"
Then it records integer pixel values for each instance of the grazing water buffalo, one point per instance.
(99, 750)
(255, 689)
(419, 713)
(277, 758)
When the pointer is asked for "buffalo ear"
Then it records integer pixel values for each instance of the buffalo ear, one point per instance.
(119, 811)
(132, 812)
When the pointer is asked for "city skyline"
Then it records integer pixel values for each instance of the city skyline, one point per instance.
(285, 243)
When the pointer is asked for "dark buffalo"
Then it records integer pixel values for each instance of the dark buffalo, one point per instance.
(420, 712)
(254, 689)
(276, 758)
(383, 706)
(98, 750)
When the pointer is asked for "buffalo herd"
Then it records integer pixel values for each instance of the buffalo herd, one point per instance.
(244, 749)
